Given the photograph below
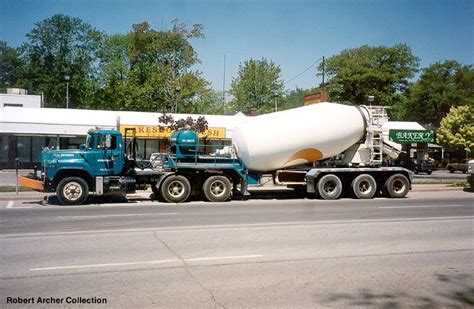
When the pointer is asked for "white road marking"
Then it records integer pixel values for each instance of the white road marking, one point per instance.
(10, 204)
(423, 206)
(148, 262)
(120, 215)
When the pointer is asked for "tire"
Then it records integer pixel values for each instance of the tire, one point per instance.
(72, 191)
(175, 189)
(364, 186)
(217, 188)
(329, 187)
(429, 172)
(397, 186)
(451, 170)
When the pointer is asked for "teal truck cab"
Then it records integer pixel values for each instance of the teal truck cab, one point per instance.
(105, 166)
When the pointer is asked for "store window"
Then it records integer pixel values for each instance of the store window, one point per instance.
(151, 146)
(4, 148)
(23, 148)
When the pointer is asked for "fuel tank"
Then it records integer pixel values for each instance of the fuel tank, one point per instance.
(296, 136)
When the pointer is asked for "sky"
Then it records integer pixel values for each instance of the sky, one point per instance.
(292, 33)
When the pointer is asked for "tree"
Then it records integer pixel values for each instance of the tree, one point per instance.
(256, 86)
(63, 46)
(210, 102)
(198, 125)
(294, 98)
(441, 86)
(11, 66)
(456, 131)
(380, 71)
(150, 70)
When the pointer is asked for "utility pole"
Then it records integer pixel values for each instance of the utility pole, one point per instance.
(67, 77)
(324, 73)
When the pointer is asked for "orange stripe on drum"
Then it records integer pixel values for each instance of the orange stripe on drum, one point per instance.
(308, 154)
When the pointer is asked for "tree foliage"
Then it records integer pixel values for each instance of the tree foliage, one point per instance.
(198, 125)
(441, 86)
(257, 84)
(11, 66)
(63, 46)
(150, 70)
(294, 98)
(380, 71)
(456, 131)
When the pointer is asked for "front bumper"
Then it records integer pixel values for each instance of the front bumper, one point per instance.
(35, 184)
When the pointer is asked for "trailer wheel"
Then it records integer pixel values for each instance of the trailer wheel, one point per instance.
(217, 188)
(72, 191)
(396, 186)
(175, 189)
(364, 186)
(329, 187)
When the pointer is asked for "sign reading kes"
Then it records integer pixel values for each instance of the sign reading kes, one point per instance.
(165, 132)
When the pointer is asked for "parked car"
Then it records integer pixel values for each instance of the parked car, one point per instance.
(461, 166)
(418, 166)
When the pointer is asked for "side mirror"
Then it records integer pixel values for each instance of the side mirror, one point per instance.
(82, 146)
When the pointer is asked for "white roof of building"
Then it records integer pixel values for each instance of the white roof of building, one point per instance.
(74, 122)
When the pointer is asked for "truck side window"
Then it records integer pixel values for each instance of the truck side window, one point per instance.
(113, 144)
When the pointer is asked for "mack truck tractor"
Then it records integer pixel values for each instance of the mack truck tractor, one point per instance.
(286, 145)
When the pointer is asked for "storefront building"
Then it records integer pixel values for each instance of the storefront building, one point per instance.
(25, 131)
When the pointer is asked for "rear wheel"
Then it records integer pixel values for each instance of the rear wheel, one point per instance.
(451, 170)
(72, 191)
(175, 189)
(364, 186)
(329, 187)
(397, 186)
(217, 188)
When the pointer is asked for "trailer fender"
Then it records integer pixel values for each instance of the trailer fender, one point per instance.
(162, 178)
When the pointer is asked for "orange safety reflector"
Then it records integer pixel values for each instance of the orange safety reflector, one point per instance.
(37, 185)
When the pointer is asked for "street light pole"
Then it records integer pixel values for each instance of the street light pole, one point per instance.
(67, 77)
(177, 90)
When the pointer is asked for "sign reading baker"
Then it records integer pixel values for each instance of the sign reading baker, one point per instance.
(411, 136)
(165, 132)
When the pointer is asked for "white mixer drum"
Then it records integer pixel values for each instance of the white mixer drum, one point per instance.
(305, 134)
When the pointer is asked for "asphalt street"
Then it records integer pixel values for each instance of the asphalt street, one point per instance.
(271, 252)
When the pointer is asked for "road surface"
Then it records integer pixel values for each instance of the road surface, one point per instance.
(293, 253)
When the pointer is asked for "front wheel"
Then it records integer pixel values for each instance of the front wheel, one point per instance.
(72, 191)
(397, 186)
(175, 189)
(217, 188)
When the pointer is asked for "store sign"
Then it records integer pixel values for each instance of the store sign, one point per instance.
(411, 136)
(165, 132)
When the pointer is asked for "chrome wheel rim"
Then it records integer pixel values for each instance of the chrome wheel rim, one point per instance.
(176, 188)
(217, 188)
(72, 191)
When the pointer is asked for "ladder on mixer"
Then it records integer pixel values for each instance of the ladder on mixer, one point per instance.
(377, 117)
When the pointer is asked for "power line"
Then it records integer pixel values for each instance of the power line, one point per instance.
(304, 71)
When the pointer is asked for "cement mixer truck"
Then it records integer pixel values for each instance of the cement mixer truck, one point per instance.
(284, 144)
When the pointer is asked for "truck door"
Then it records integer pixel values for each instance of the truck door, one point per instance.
(109, 159)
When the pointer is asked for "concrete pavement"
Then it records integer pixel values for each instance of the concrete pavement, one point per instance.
(292, 253)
